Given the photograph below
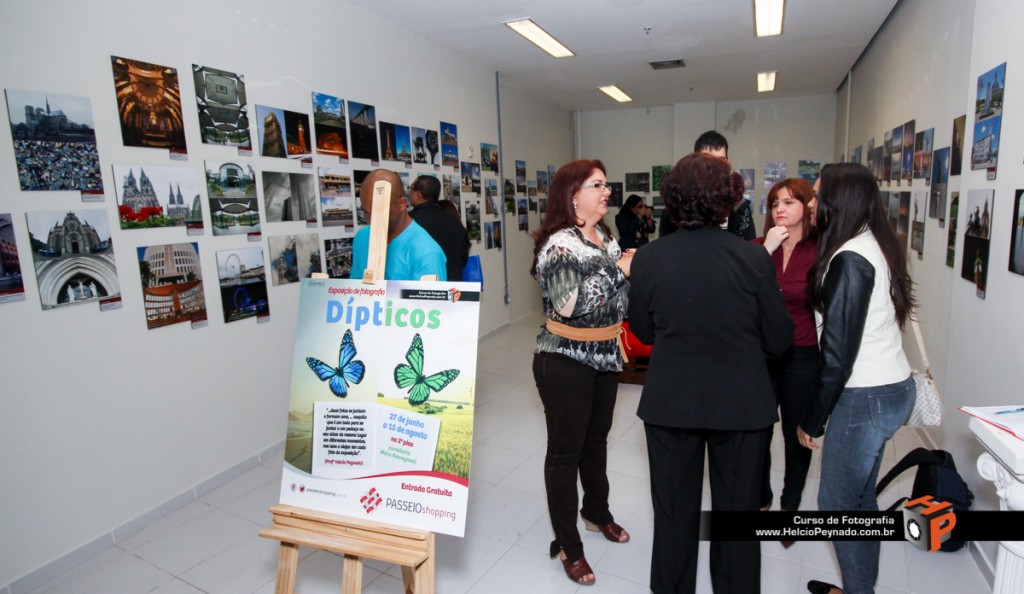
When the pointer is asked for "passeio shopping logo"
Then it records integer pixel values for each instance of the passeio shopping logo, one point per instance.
(928, 522)
(371, 500)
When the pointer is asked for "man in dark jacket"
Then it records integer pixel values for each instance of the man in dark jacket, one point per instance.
(444, 228)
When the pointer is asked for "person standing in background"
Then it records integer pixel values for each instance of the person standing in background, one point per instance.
(634, 222)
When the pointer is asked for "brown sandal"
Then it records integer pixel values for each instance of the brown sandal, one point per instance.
(578, 570)
(611, 530)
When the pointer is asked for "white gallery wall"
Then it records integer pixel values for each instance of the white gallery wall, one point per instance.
(105, 424)
(923, 66)
(786, 129)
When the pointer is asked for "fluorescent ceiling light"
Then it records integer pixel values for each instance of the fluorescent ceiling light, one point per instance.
(539, 37)
(768, 17)
(616, 93)
(766, 81)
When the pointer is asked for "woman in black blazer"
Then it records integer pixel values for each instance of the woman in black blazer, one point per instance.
(709, 303)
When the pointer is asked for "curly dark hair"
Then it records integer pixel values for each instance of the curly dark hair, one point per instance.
(698, 192)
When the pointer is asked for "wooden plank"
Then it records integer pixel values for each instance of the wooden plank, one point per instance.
(378, 250)
(372, 536)
(345, 546)
(352, 575)
(287, 564)
(347, 521)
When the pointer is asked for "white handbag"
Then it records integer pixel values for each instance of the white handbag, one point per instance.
(927, 405)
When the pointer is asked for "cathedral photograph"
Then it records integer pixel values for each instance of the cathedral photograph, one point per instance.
(73, 256)
(151, 196)
(148, 104)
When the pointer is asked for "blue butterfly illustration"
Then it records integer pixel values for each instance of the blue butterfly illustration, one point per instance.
(412, 375)
(347, 372)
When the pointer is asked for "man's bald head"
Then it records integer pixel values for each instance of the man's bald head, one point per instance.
(398, 218)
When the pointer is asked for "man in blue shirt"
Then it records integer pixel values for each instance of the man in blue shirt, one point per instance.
(412, 253)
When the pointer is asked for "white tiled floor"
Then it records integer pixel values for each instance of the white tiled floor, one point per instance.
(211, 545)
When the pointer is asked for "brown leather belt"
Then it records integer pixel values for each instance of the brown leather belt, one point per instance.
(589, 334)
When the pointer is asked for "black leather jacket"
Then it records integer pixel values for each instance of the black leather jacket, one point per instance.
(847, 293)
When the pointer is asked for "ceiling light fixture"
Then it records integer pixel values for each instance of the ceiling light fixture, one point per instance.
(666, 64)
(768, 17)
(766, 81)
(539, 37)
(616, 93)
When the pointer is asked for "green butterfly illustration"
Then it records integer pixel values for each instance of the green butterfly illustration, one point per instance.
(412, 375)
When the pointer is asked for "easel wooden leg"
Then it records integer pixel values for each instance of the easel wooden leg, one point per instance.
(287, 564)
(352, 576)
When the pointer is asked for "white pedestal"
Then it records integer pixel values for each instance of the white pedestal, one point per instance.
(1003, 464)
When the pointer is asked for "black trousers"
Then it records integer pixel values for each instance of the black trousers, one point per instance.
(794, 380)
(578, 406)
(676, 456)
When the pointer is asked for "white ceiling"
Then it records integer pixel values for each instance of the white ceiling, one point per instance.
(820, 41)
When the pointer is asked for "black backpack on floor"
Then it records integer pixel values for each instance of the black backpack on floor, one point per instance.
(936, 476)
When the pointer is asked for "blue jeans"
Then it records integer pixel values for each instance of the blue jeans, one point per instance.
(862, 421)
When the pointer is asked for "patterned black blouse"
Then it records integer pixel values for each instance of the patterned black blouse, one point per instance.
(582, 287)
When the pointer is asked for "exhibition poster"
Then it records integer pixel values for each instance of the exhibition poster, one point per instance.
(380, 417)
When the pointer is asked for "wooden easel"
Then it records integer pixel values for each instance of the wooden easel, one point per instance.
(356, 539)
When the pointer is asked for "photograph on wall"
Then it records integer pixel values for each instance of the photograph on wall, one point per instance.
(917, 223)
(988, 114)
(808, 170)
(1016, 234)
(908, 151)
(283, 134)
(12, 285)
(329, 125)
(243, 284)
(748, 179)
(450, 188)
(289, 196)
(876, 166)
(954, 207)
(54, 141)
(73, 257)
(155, 196)
(149, 104)
(395, 143)
(892, 202)
(489, 157)
(293, 257)
(957, 147)
(856, 154)
(172, 284)
(897, 154)
(449, 144)
(472, 208)
(470, 177)
(887, 156)
(923, 147)
(974, 260)
(383, 413)
(362, 123)
(658, 174)
(234, 208)
(338, 257)
(869, 154)
(903, 217)
(534, 204)
(523, 214)
(489, 234)
(542, 181)
(542, 207)
(639, 181)
(221, 103)
(509, 188)
(491, 196)
(940, 182)
(616, 197)
(510, 204)
(337, 205)
(419, 145)
(531, 191)
(521, 177)
(774, 171)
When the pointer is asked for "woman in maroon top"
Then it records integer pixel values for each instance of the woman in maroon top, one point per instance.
(790, 238)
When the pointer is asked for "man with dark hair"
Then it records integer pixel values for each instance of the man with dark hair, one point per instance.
(741, 219)
(447, 231)
(412, 253)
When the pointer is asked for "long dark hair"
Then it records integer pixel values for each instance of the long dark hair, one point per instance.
(560, 214)
(849, 202)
